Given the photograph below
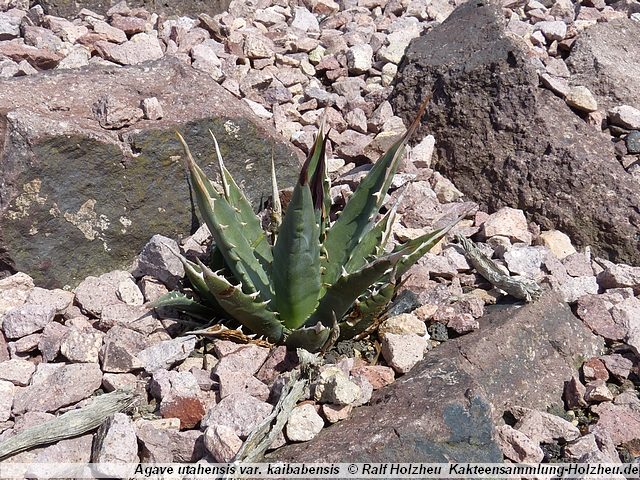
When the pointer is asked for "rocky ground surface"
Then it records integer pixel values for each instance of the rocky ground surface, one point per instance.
(200, 399)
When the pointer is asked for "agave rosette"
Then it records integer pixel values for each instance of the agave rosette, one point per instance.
(313, 276)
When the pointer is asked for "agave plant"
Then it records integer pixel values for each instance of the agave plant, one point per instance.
(309, 278)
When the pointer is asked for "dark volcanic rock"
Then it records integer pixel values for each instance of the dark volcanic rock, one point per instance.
(77, 199)
(504, 141)
(440, 411)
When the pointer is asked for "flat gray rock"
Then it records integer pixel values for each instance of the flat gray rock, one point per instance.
(64, 385)
(21, 321)
(117, 442)
(166, 353)
(240, 411)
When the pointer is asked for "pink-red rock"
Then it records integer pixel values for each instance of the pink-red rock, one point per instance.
(620, 419)
(21, 321)
(129, 25)
(508, 222)
(17, 371)
(597, 391)
(4, 348)
(119, 444)
(7, 391)
(402, 352)
(328, 62)
(593, 311)
(366, 390)
(615, 276)
(25, 344)
(41, 37)
(120, 349)
(155, 445)
(378, 375)
(473, 306)
(463, 323)
(573, 288)
(166, 353)
(222, 442)
(245, 357)
(578, 265)
(242, 381)
(189, 410)
(131, 52)
(115, 381)
(187, 446)
(326, 7)
(594, 369)
(240, 411)
(39, 58)
(62, 385)
(574, 392)
(110, 33)
(581, 446)
(279, 360)
(94, 293)
(517, 446)
(619, 366)
(334, 413)
(203, 377)
(627, 313)
(70, 450)
(543, 427)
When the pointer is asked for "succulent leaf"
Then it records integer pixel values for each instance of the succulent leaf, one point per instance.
(365, 312)
(296, 257)
(195, 276)
(247, 309)
(319, 183)
(228, 232)
(276, 210)
(360, 211)
(345, 291)
(414, 249)
(310, 338)
(246, 216)
(181, 302)
(216, 260)
(373, 242)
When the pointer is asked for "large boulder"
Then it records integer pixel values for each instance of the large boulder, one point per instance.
(445, 408)
(192, 8)
(86, 181)
(505, 141)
